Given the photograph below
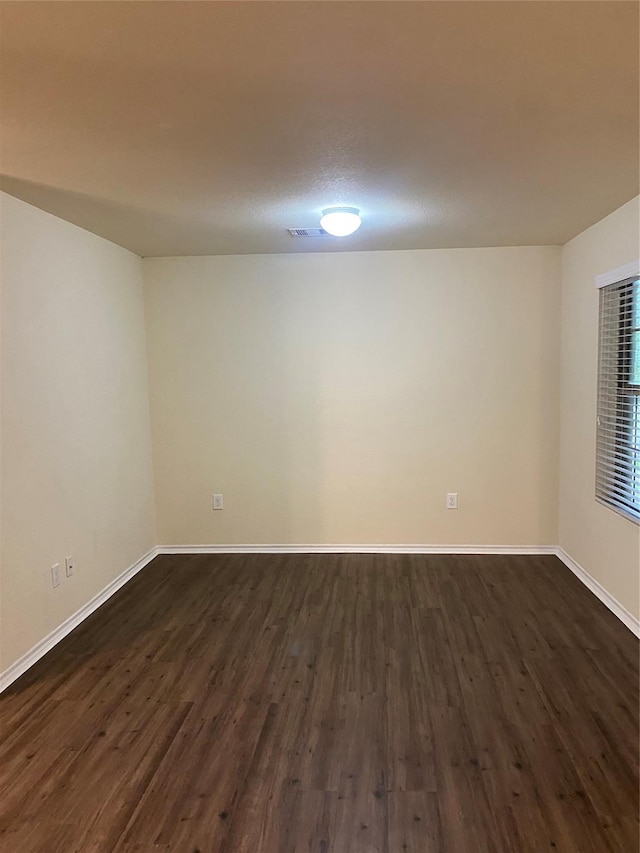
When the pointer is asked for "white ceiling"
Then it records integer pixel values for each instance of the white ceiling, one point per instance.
(211, 127)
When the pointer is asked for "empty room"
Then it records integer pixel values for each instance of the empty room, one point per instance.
(320, 426)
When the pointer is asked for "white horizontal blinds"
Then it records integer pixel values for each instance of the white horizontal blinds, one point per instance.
(618, 432)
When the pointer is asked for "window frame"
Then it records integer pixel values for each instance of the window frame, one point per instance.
(627, 392)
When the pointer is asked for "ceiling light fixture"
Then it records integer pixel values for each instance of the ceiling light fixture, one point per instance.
(340, 221)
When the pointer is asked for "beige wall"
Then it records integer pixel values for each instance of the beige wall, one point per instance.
(601, 541)
(76, 466)
(337, 398)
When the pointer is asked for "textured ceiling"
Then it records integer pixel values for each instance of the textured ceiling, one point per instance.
(204, 128)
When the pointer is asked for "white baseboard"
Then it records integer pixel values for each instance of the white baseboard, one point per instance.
(354, 549)
(40, 649)
(600, 592)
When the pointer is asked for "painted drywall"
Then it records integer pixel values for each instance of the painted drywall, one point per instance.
(76, 455)
(337, 398)
(605, 544)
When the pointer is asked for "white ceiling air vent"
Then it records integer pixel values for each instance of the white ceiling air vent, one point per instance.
(307, 232)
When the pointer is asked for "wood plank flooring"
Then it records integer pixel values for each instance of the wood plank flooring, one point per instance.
(332, 704)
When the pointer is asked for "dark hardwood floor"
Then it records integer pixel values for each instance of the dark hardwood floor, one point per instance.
(337, 704)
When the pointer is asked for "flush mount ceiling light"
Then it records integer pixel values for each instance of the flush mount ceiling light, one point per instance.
(340, 221)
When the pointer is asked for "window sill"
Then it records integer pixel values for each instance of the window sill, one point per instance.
(628, 514)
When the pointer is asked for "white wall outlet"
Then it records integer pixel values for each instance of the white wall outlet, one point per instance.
(452, 500)
(55, 575)
(218, 502)
(68, 566)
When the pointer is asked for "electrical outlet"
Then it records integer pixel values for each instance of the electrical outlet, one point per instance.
(55, 575)
(218, 502)
(68, 566)
(452, 500)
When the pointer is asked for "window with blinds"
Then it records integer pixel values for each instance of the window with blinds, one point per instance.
(618, 425)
